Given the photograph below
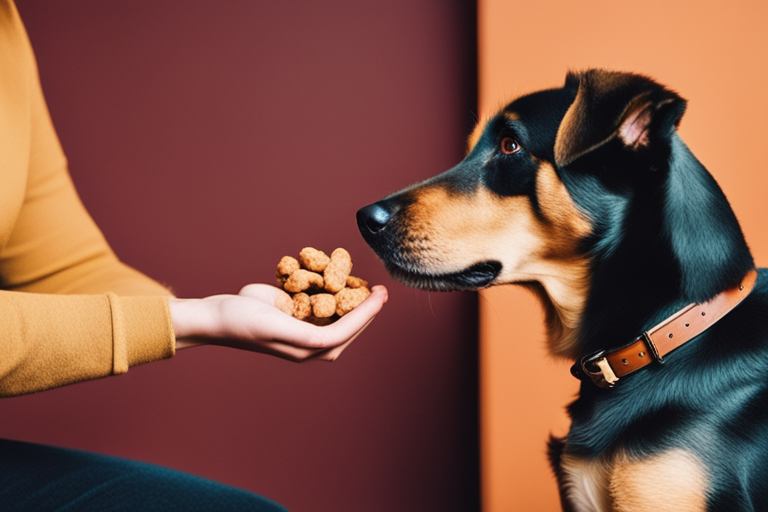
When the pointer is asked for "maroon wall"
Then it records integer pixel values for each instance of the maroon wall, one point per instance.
(210, 138)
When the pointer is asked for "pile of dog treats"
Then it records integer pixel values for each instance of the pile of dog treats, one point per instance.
(321, 286)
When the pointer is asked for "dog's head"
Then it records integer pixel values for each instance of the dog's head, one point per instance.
(507, 213)
(587, 195)
(563, 190)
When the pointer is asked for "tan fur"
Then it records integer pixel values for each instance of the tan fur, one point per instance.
(475, 136)
(448, 232)
(567, 225)
(672, 481)
(586, 484)
(566, 281)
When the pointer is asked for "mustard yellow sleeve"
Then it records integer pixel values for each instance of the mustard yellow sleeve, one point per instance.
(53, 340)
(69, 309)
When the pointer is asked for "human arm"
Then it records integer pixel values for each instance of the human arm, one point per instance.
(65, 310)
(69, 309)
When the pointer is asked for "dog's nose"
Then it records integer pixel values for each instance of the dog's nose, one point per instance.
(373, 217)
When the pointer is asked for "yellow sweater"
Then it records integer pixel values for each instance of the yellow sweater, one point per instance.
(69, 310)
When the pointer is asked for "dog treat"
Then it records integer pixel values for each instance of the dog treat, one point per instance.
(321, 287)
(349, 298)
(356, 282)
(338, 270)
(285, 268)
(302, 280)
(313, 260)
(323, 305)
(301, 306)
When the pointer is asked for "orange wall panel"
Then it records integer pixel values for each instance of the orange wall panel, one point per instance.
(715, 54)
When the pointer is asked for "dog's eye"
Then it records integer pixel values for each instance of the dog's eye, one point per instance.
(509, 146)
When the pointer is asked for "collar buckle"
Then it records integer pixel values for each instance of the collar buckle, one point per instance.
(598, 369)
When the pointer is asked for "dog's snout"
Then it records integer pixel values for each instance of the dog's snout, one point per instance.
(374, 217)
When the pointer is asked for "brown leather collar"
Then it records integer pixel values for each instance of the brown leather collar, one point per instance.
(605, 367)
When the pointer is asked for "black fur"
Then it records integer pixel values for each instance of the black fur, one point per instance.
(663, 236)
(555, 449)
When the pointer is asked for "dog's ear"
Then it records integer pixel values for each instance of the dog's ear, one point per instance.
(610, 104)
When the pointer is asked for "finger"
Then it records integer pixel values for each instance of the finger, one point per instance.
(356, 320)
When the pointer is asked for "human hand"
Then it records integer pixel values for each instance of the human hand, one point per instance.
(255, 320)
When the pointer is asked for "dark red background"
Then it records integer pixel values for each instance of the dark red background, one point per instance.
(210, 138)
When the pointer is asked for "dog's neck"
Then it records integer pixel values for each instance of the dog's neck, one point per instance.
(683, 245)
(562, 290)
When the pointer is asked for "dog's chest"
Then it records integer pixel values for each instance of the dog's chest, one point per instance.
(587, 484)
(673, 481)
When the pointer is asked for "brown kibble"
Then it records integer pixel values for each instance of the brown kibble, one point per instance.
(313, 260)
(301, 306)
(285, 268)
(338, 270)
(323, 305)
(302, 280)
(319, 288)
(356, 282)
(349, 298)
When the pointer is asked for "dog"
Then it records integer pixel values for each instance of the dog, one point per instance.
(586, 195)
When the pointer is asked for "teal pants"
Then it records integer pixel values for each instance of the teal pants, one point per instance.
(44, 478)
